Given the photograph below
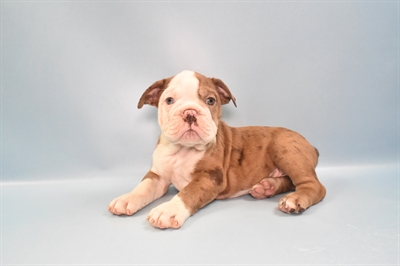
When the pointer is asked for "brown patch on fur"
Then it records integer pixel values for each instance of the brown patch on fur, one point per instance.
(151, 175)
(216, 175)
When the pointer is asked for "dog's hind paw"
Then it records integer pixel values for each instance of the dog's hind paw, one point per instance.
(270, 186)
(264, 189)
(292, 204)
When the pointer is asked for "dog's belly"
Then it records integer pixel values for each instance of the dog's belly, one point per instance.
(239, 194)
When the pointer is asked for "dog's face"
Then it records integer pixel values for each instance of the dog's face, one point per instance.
(189, 107)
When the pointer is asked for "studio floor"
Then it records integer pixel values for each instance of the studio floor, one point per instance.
(66, 222)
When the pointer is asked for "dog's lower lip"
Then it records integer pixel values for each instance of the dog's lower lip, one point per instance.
(190, 131)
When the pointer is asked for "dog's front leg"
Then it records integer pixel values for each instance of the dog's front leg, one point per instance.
(204, 188)
(151, 188)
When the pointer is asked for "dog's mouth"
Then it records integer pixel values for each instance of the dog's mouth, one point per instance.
(190, 136)
(196, 132)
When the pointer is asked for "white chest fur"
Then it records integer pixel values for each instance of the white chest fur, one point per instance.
(174, 163)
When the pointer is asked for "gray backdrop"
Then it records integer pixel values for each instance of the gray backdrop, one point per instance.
(72, 138)
(72, 74)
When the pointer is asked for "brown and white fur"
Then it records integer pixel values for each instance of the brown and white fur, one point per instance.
(205, 159)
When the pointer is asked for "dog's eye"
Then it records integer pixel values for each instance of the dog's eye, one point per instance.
(169, 100)
(210, 101)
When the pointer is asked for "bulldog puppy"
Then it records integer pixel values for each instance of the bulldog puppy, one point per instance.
(205, 159)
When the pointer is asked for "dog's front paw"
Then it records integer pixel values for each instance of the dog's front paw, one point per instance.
(127, 204)
(170, 214)
(293, 203)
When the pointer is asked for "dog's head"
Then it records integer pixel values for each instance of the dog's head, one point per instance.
(189, 107)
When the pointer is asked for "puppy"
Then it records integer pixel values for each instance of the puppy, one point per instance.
(205, 159)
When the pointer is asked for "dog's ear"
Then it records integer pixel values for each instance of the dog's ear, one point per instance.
(152, 95)
(224, 92)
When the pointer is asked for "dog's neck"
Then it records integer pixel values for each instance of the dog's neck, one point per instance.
(176, 147)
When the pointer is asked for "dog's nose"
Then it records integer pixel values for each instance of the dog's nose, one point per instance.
(189, 116)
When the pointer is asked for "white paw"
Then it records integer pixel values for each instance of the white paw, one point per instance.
(293, 203)
(171, 214)
(127, 204)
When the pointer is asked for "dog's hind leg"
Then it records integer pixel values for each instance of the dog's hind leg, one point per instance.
(296, 157)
